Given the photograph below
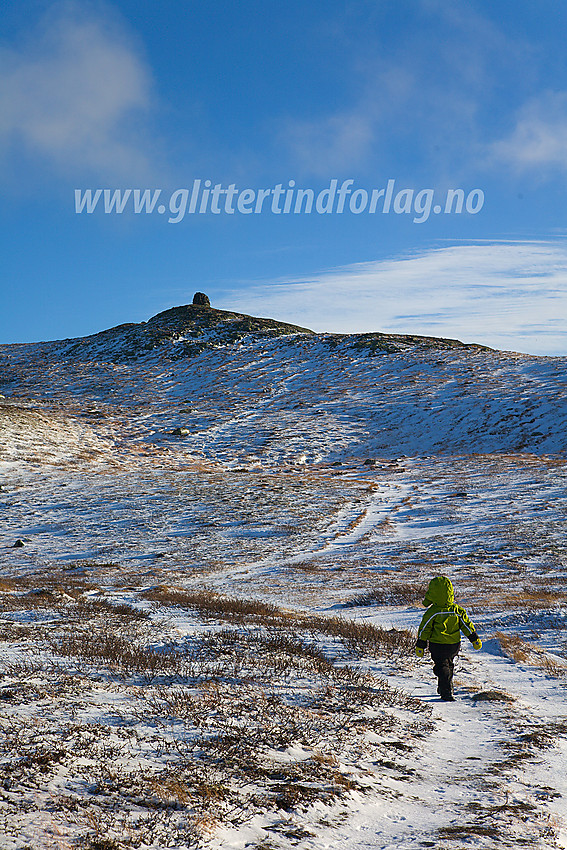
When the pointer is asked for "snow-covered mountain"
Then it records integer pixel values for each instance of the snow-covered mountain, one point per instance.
(187, 505)
(245, 388)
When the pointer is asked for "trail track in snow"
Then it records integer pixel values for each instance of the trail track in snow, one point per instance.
(268, 496)
(376, 529)
(491, 773)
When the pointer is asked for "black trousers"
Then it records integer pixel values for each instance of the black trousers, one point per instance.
(443, 655)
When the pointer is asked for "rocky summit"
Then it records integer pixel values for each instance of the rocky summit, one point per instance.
(184, 331)
(187, 330)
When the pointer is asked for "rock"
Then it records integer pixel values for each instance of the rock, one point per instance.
(181, 432)
(492, 696)
(201, 300)
(18, 544)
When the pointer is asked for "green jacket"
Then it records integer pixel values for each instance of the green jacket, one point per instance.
(444, 620)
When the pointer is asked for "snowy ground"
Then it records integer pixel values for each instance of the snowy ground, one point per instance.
(143, 709)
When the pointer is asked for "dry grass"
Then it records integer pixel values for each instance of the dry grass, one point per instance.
(357, 636)
(54, 581)
(59, 602)
(209, 603)
(524, 652)
(391, 594)
(534, 596)
(515, 647)
(118, 652)
(316, 567)
(468, 830)
(214, 716)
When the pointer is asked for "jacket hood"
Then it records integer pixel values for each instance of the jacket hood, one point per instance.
(440, 592)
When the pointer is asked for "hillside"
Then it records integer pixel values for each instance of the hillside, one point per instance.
(245, 387)
(217, 532)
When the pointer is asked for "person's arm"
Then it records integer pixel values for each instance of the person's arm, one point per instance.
(467, 626)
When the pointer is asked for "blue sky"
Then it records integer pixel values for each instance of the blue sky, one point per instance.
(431, 95)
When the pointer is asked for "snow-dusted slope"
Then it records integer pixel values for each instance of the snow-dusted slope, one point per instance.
(34, 437)
(323, 474)
(300, 397)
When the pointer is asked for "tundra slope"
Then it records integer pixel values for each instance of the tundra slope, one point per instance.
(322, 473)
(257, 387)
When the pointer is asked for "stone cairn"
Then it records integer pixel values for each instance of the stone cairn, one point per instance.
(201, 300)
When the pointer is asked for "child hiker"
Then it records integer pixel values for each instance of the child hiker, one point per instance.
(441, 627)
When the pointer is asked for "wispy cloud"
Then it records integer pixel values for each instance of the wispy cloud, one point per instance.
(508, 295)
(426, 95)
(323, 147)
(539, 138)
(75, 94)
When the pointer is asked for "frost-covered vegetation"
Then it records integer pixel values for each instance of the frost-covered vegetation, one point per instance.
(215, 541)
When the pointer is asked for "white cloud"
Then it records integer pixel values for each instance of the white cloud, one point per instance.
(76, 94)
(539, 138)
(508, 295)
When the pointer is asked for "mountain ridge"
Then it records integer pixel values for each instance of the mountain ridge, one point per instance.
(237, 395)
(189, 329)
